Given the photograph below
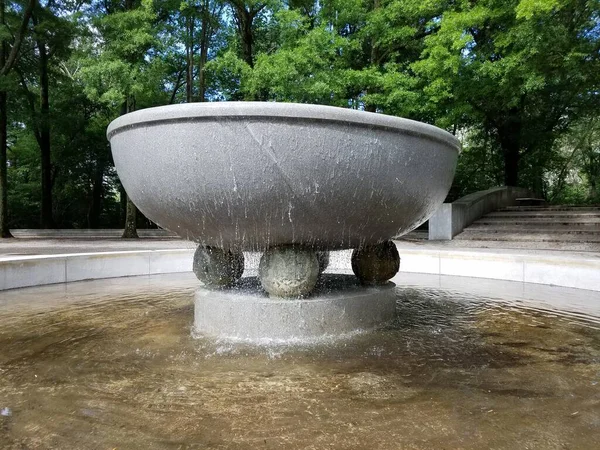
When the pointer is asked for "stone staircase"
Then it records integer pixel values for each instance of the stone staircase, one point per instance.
(540, 226)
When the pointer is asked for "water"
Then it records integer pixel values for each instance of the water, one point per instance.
(111, 365)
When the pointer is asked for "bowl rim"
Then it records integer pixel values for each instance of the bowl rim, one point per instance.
(193, 112)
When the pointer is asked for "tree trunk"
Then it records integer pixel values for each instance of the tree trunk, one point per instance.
(122, 204)
(511, 166)
(509, 135)
(130, 230)
(592, 169)
(204, 37)
(4, 231)
(201, 74)
(374, 61)
(247, 38)
(11, 58)
(47, 219)
(189, 49)
(244, 19)
(97, 196)
(7, 61)
(44, 134)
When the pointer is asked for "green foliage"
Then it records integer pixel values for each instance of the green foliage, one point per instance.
(119, 69)
(305, 69)
(23, 180)
(516, 80)
(229, 74)
(577, 177)
(526, 76)
(530, 8)
(479, 166)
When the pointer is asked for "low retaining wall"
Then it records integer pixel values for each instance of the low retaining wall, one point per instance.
(24, 271)
(451, 218)
(576, 272)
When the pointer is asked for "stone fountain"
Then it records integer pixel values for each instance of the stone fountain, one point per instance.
(293, 182)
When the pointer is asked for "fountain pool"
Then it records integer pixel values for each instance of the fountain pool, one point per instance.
(112, 364)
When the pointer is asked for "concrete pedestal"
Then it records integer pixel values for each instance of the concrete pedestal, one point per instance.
(338, 307)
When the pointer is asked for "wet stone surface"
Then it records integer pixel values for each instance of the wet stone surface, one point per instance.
(111, 364)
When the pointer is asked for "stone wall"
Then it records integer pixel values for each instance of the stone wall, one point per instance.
(451, 218)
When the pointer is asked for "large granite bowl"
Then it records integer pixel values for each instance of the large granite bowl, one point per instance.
(250, 175)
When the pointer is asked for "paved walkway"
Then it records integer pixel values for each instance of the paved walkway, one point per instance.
(18, 246)
(28, 246)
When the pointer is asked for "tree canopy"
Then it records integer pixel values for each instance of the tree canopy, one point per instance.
(516, 80)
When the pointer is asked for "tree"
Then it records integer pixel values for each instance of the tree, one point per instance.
(522, 69)
(209, 23)
(50, 39)
(120, 72)
(191, 24)
(8, 59)
(516, 80)
(577, 177)
(244, 14)
(306, 66)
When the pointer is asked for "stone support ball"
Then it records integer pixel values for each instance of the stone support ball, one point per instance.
(323, 258)
(376, 264)
(217, 267)
(288, 271)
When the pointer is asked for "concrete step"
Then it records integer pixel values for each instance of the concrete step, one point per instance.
(532, 223)
(552, 208)
(532, 230)
(416, 235)
(544, 215)
(518, 219)
(527, 237)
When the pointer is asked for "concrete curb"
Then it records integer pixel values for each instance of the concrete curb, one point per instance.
(567, 271)
(25, 271)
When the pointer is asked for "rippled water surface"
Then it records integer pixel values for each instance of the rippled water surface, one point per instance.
(112, 365)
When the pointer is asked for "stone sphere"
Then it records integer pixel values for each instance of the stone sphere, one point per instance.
(216, 267)
(323, 258)
(376, 264)
(288, 271)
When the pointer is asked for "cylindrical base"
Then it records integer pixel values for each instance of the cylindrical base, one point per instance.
(339, 307)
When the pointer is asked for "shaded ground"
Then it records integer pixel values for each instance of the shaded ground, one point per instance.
(24, 246)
